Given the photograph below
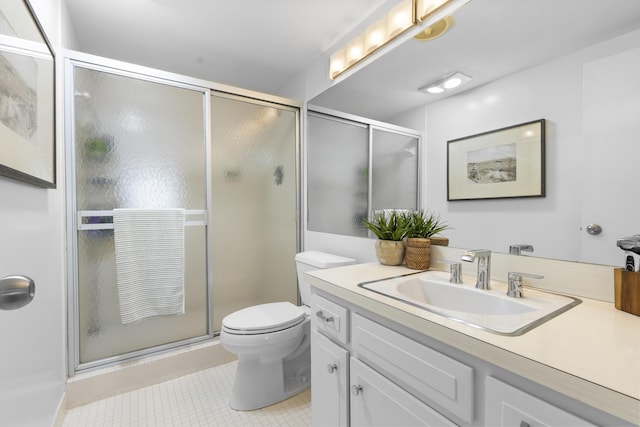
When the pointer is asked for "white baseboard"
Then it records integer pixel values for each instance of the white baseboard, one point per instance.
(60, 412)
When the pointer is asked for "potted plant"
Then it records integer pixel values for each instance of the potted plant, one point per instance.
(422, 228)
(390, 227)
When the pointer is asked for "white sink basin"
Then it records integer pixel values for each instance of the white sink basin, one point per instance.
(492, 310)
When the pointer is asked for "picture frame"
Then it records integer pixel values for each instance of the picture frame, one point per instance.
(498, 164)
(27, 98)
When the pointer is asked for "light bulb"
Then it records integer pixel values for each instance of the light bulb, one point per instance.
(355, 50)
(355, 53)
(375, 38)
(399, 18)
(426, 7)
(435, 89)
(452, 82)
(337, 63)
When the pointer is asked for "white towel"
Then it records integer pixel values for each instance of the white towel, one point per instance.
(149, 262)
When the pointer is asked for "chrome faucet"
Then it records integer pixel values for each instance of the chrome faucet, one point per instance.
(484, 266)
(518, 249)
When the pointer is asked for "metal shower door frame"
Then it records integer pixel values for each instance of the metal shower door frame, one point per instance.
(74, 59)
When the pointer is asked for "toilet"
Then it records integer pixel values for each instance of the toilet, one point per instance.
(272, 342)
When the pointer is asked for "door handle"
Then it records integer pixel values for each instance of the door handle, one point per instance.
(16, 292)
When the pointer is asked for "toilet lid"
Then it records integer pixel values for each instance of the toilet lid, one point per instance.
(265, 317)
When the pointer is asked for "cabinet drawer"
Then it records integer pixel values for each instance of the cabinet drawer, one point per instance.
(330, 318)
(376, 401)
(426, 373)
(510, 406)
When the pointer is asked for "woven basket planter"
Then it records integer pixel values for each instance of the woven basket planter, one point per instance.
(418, 253)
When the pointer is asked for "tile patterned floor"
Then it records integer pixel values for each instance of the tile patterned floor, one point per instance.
(198, 399)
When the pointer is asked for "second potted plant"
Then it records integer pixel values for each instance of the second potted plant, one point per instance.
(422, 226)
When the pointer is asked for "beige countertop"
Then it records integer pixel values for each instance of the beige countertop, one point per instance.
(590, 353)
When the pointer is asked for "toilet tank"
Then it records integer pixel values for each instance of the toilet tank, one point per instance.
(315, 260)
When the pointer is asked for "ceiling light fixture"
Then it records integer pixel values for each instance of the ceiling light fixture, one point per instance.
(450, 82)
(402, 17)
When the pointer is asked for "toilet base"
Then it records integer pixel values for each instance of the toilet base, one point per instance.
(258, 385)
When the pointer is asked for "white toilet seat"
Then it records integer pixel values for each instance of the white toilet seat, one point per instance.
(264, 319)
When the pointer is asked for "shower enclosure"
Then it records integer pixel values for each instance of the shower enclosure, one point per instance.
(140, 140)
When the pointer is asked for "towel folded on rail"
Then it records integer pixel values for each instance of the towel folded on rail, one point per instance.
(149, 262)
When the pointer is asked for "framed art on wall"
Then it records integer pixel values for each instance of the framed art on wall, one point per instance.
(502, 163)
(27, 118)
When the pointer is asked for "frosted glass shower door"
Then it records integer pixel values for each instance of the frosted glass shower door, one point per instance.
(394, 171)
(137, 144)
(354, 168)
(254, 204)
(338, 171)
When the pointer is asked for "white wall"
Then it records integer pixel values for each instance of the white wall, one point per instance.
(32, 242)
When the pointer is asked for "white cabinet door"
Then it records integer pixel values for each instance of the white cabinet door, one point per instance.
(376, 401)
(329, 382)
(428, 374)
(507, 406)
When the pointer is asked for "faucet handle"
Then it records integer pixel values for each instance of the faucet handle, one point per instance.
(514, 285)
(456, 268)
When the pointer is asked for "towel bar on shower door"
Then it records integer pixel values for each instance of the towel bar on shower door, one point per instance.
(84, 216)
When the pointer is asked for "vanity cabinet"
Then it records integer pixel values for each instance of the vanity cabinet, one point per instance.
(508, 406)
(329, 363)
(377, 401)
(368, 370)
(329, 387)
(365, 374)
(425, 373)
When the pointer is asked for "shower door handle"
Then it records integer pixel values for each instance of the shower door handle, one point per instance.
(16, 292)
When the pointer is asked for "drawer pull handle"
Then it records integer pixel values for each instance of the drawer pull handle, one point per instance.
(324, 318)
(356, 389)
(332, 367)
(524, 424)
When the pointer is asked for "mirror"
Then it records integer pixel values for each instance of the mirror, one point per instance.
(573, 63)
(371, 167)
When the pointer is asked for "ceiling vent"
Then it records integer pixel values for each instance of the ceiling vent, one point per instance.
(435, 30)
